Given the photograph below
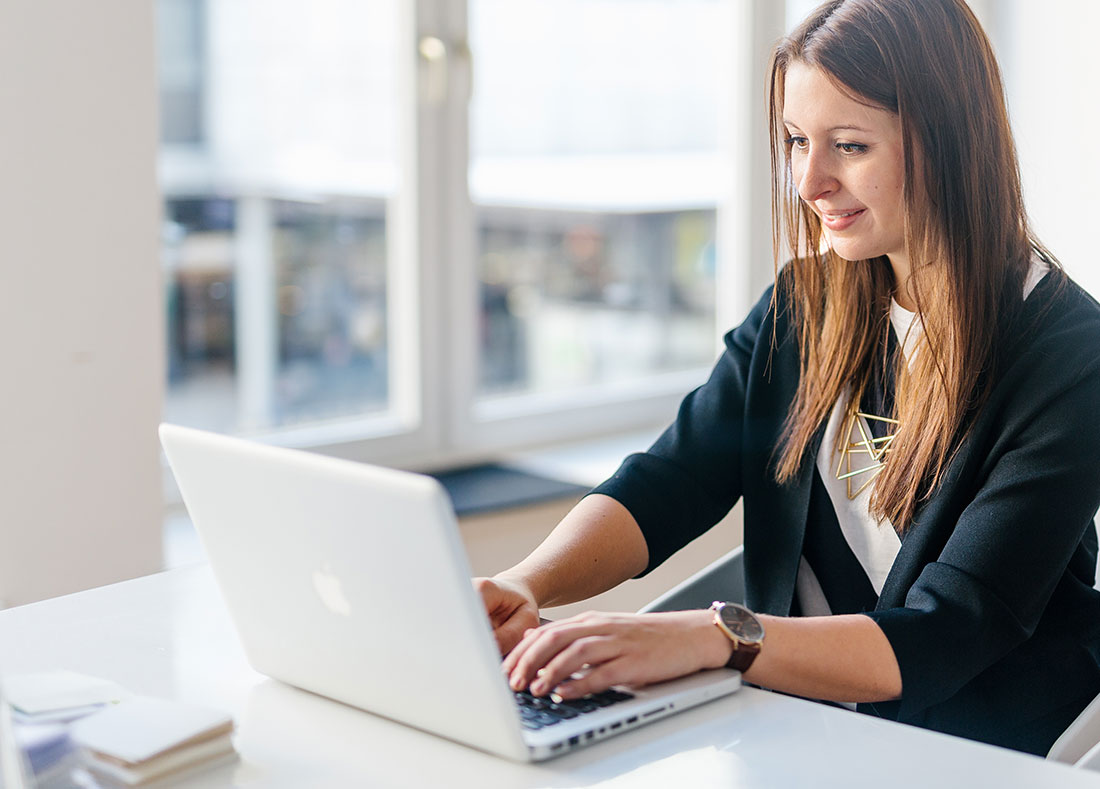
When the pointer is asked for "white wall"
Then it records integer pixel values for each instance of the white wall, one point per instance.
(1052, 76)
(80, 326)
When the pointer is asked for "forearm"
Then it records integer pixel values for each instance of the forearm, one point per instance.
(838, 658)
(597, 546)
(834, 658)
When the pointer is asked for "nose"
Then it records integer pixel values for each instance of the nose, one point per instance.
(814, 175)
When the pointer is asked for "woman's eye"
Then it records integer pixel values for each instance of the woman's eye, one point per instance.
(851, 147)
(794, 141)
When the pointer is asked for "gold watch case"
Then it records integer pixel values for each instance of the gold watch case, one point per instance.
(739, 623)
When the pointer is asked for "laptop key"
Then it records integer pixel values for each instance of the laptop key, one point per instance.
(563, 712)
(540, 720)
(581, 705)
(539, 711)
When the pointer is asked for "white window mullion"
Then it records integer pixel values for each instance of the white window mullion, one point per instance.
(416, 248)
(417, 244)
(411, 433)
(432, 275)
(255, 316)
(459, 312)
(745, 258)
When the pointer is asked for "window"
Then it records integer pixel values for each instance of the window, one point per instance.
(385, 242)
(278, 162)
(594, 171)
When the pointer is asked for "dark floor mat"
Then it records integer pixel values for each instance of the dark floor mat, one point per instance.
(495, 487)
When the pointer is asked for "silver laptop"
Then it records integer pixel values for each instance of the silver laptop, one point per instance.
(351, 581)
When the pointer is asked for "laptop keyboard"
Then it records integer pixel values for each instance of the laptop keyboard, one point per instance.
(539, 711)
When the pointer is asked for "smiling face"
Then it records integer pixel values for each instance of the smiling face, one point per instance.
(847, 163)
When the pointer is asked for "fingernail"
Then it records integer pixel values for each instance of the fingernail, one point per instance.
(517, 682)
(538, 687)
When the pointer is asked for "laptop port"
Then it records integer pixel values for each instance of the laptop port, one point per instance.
(615, 726)
(632, 719)
(653, 712)
(588, 735)
(574, 740)
(556, 746)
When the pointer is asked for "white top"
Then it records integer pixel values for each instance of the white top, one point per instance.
(874, 543)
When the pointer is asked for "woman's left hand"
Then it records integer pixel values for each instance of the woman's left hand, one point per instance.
(614, 649)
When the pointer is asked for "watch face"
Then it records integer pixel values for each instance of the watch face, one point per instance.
(742, 623)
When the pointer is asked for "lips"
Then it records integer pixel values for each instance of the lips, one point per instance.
(840, 220)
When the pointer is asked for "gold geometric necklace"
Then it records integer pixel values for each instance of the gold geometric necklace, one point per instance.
(857, 441)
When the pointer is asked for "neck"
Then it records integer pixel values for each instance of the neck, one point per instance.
(903, 294)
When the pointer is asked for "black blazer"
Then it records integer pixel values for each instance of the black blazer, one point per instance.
(989, 606)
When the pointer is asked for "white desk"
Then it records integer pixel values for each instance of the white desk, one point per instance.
(168, 635)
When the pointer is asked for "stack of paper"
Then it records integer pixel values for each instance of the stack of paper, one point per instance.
(58, 696)
(145, 739)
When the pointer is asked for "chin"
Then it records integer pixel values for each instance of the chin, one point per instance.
(851, 252)
(847, 253)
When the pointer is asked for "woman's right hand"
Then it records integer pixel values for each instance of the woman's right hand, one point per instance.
(512, 609)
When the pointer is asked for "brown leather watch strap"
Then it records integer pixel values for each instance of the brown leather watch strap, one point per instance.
(743, 656)
(743, 629)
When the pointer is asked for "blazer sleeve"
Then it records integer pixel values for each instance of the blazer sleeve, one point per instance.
(691, 476)
(1011, 545)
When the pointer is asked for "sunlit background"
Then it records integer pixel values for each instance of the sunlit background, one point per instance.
(594, 169)
(412, 232)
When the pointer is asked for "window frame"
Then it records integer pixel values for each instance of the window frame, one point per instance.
(436, 416)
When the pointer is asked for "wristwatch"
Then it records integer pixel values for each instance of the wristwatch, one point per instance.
(741, 626)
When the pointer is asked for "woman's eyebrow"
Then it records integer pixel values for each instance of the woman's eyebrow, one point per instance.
(845, 127)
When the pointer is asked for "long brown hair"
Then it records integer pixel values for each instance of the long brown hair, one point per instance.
(966, 234)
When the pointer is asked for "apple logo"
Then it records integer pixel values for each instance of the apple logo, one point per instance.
(329, 589)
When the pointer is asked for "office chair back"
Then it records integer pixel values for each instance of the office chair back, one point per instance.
(723, 579)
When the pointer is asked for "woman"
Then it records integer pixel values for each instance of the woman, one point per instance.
(908, 415)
